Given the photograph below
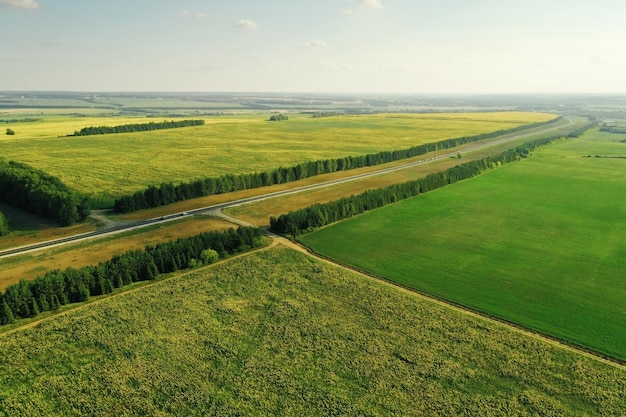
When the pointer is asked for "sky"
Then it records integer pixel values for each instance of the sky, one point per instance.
(314, 46)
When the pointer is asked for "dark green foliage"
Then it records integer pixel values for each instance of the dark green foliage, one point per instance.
(4, 225)
(317, 215)
(56, 288)
(278, 117)
(576, 133)
(6, 315)
(167, 193)
(136, 127)
(613, 129)
(10, 131)
(39, 193)
(326, 114)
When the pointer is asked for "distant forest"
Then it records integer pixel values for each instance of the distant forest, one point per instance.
(135, 127)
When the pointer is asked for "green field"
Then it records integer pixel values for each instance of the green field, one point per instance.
(108, 166)
(539, 242)
(277, 333)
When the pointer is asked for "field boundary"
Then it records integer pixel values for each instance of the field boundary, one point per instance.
(563, 343)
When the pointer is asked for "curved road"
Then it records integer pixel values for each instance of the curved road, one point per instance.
(217, 208)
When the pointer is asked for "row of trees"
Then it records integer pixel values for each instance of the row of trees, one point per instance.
(576, 133)
(136, 127)
(168, 193)
(317, 215)
(42, 194)
(4, 225)
(325, 114)
(613, 129)
(57, 288)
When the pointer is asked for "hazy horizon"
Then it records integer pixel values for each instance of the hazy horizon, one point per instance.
(329, 46)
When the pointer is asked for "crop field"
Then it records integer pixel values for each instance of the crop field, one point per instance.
(259, 213)
(107, 166)
(539, 242)
(92, 252)
(278, 333)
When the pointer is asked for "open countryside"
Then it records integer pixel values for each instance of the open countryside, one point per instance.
(537, 243)
(127, 162)
(275, 331)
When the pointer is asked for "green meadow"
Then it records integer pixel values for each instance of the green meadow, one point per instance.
(278, 333)
(539, 242)
(108, 166)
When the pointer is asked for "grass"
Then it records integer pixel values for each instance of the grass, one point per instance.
(538, 243)
(92, 252)
(107, 166)
(277, 333)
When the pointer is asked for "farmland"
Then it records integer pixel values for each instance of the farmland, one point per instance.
(276, 333)
(108, 166)
(259, 213)
(539, 243)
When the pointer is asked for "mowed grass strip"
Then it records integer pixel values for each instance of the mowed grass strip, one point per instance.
(278, 333)
(108, 166)
(92, 252)
(539, 242)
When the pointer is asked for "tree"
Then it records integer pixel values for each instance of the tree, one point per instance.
(6, 315)
(10, 131)
(209, 256)
(4, 225)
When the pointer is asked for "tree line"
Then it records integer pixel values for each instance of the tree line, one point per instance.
(319, 114)
(168, 193)
(613, 129)
(136, 127)
(42, 194)
(307, 219)
(4, 225)
(57, 288)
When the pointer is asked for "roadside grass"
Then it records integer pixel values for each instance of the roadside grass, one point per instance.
(108, 166)
(539, 243)
(277, 333)
(31, 265)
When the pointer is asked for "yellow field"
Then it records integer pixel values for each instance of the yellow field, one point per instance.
(108, 166)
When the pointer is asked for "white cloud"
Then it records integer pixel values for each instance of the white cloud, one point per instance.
(245, 24)
(20, 4)
(347, 12)
(315, 44)
(369, 4)
(195, 15)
